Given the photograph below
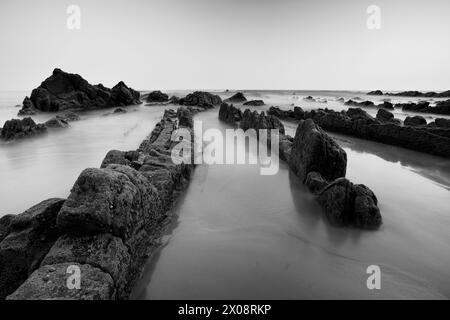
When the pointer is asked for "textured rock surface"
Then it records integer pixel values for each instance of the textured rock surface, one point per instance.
(314, 150)
(347, 204)
(21, 128)
(50, 283)
(29, 237)
(415, 121)
(113, 219)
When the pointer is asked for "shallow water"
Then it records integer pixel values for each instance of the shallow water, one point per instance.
(243, 235)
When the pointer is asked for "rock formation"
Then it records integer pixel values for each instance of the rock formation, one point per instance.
(111, 222)
(236, 98)
(201, 99)
(62, 91)
(415, 121)
(356, 122)
(21, 128)
(157, 96)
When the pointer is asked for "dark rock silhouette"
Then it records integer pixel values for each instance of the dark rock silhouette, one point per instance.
(415, 121)
(201, 99)
(375, 93)
(314, 150)
(236, 98)
(157, 96)
(21, 128)
(356, 122)
(62, 91)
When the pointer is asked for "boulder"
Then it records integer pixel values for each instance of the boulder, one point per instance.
(375, 93)
(415, 121)
(20, 128)
(441, 122)
(56, 123)
(384, 115)
(119, 110)
(157, 96)
(50, 283)
(347, 204)
(386, 105)
(202, 99)
(236, 98)
(116, 199)
(315, 182)
(229, 113)
(254, 103)
(31, 234)
(314, 150)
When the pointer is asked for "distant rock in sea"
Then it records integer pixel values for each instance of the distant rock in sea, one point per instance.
(201, 99)
(254, 103)
(62, 91)
(375, 93)
(236, 98)
(413, 93)
(21, 128)
(157, 96)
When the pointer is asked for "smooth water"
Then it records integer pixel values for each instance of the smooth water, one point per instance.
(243, 235)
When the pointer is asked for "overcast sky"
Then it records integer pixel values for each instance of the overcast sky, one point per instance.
(235, 44)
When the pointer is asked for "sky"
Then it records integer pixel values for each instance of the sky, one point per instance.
(229, 44)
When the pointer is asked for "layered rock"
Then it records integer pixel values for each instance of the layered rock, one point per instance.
(236, 98)
(114, 218)
(62, 91)
(356, 122)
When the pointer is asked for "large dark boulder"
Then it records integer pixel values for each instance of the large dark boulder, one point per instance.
(157, 96)
(314, 150)
(415, 121)
(30, 236)
(20, 128)
(236, 98)
(347, 204)
(201, 99)
(62, 91)
(375, 93)
(384, 115)
(441, 122)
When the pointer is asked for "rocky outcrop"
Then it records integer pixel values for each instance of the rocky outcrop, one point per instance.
(363, 104)
(114, 218)
(26, 240)
(375, 93)
(385, 116)
(415, 121)
(314, 150)
(202, 99)
(254, 103)
(229, 113)
(321, 165)
(441, 122)
(21, 128)
(62, 91)
(157, 96)
(356, 122)
(236, 98)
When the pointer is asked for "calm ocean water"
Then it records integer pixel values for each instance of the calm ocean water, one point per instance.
(243, 235)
